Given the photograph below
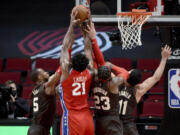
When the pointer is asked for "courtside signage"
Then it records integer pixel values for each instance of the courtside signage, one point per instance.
(174, 88)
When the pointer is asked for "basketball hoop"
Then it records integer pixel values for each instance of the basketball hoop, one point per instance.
(130, 25)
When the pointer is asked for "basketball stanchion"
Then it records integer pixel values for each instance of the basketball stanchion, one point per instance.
(130, 26)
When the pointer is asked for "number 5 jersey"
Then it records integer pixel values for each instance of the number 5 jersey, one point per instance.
(44, 107)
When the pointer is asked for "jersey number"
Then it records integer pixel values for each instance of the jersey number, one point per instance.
(35, 104)
(106, 105)
(76, 91)
(122, 107)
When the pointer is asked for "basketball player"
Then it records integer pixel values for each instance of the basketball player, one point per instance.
(43, 101)
(75, 84)
(106, 93)
(131, 92)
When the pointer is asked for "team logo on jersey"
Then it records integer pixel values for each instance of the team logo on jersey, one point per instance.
(174, 88)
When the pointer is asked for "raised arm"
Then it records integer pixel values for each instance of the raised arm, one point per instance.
(55, 77)
(67, 43)
(96, 51)
(119, 71)
(52, 81)
(89, 54)
(64, 60)
(88, 50)
(151, 81)
(69, 37)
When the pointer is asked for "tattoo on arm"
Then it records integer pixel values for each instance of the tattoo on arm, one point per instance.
(64, 61)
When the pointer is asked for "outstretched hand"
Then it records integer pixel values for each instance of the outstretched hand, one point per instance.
(91, 31)
(74, 21)
(83, 25)
(166, 51)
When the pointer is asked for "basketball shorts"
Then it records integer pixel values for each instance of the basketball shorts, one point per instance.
(77, 123)
(37, 130)
(108, 125)
(130, 128)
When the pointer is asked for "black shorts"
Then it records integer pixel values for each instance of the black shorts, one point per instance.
(37, 130)
(129, 128)
(108, 125)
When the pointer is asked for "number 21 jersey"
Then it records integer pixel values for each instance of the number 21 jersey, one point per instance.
(77, 118)
(75, 88)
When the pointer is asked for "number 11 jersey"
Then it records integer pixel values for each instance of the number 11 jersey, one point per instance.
(127, 102)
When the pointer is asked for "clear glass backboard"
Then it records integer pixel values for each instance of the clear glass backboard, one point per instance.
(163, 13)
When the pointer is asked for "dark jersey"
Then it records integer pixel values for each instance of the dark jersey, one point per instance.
(107, 110)
(106, 102)
(127, 102)
(44, 107)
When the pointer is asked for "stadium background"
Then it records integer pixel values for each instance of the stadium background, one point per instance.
(35, 29)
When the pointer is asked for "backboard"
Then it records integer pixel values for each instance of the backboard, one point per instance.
(163, 14)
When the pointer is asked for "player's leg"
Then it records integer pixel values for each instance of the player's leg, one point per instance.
(115, 127)
(130, 129)
(89, 124)
(109, 125)
(81, 123)
(64, 128)
(36, 130)
(99, 126)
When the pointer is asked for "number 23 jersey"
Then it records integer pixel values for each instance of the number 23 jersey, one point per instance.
(106, 103)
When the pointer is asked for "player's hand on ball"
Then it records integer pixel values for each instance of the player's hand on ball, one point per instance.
(91, 31)
(74, 21)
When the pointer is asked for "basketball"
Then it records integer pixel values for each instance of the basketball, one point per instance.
(82, 12)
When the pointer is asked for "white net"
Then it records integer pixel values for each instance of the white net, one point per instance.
(130, 28)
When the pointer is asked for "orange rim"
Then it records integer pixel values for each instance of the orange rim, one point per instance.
(135, 12)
